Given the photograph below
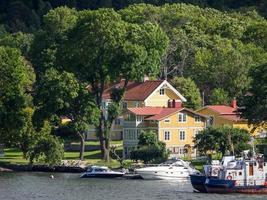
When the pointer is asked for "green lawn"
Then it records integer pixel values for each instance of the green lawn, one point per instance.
(14, 156)
(95, 143)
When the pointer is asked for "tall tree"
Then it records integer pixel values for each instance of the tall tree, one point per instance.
(103, 47)
(255, 102)
(218, 97)
(188, 88)
(61, 94)
(16, 79)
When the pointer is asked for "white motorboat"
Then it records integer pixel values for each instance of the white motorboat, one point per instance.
(101, 172)
(171, 169)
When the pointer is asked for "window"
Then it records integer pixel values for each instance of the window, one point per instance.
(161, 91)
(182, 117)
(124, 105)
(117, 121)
(166, 135)
(139, 118)
(137, 104)
(181, 150)
(182, 135)
(167, 120)
(210, 121)
(196, 132)
(197, 118)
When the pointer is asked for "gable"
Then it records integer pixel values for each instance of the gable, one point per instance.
(159, 98)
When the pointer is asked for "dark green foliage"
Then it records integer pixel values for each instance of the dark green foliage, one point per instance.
(16, 79)
(47, 148)
(219, 97)
(222, 139)
(149, 149)
(255, 102)
(188, 88)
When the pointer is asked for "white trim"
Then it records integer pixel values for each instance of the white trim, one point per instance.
(170, 87)
(184, 127)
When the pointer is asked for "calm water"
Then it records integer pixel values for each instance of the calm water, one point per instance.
(28, 186)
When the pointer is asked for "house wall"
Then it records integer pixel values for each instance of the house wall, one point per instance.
(161, 100)
(219, 121)
(176, 144)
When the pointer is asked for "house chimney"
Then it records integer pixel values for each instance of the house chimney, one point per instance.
(234, 104)
(169, 103)
(176, 104)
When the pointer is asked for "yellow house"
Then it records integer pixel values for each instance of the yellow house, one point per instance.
(176, 126)
(138, 94)
(219, 115)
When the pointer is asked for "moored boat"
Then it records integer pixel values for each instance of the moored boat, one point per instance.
(101, 172)
(172, 169)
(210, 171)
(245, 176)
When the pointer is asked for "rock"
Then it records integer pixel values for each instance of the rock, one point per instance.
(5, 170)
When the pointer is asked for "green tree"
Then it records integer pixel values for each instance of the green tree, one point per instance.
(46, 148)
(222, 139)
(255, 102)
(16, 79)
(218, 97)
(61, 94)
(190, 91)
(48, 39)
(149, 149)
(103, 47)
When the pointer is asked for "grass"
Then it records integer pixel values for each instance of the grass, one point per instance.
(15, 156)
(95, 143)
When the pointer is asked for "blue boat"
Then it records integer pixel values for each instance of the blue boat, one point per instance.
(238, 176)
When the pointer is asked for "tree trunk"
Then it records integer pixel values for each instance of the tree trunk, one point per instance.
(101, 137)
(82, 145)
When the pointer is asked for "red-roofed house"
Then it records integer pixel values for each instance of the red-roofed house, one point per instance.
(174, 125)
(150, 93)
(220, 115)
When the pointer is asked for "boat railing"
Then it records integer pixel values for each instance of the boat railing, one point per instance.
(248, 182)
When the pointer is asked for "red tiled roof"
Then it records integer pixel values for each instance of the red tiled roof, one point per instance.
(146, 110)
(222, 109)
(227, 112)
(158, 113)
(135, 91)
(164, 113)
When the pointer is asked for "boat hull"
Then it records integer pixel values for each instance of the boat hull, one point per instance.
(228, 186)
(88, 175)
(198, 182)
(162, 175)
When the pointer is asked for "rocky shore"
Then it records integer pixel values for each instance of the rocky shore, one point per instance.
(69, 166)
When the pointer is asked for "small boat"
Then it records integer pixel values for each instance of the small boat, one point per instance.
(101, 172)
(171, 169)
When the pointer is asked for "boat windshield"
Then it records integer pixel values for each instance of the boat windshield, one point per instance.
(172, 162)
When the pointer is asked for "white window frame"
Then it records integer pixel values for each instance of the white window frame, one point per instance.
(168, 134)
(139, 118)
(183, 117)
(183, 138)
(162, 91)
(197, 119)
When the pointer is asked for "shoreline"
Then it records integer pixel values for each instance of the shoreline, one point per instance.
(39, 168)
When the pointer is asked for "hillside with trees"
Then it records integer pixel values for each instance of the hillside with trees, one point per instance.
(48, 56)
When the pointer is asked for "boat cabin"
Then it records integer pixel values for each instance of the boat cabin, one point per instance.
(245, 172)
